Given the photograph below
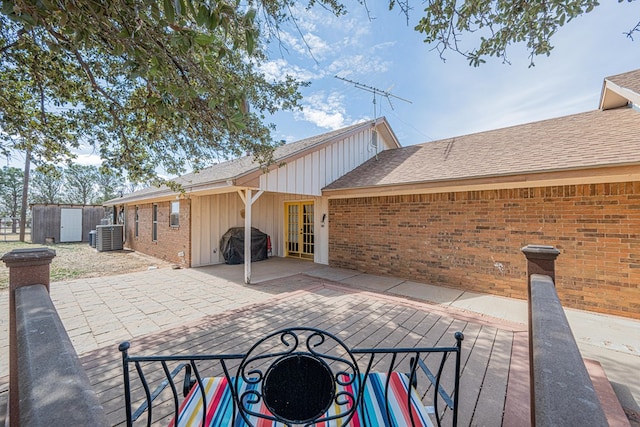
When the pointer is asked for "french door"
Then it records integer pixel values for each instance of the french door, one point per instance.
(299, 241)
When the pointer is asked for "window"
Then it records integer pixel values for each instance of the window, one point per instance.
(154, 224)
(137, 218)
(174, 219)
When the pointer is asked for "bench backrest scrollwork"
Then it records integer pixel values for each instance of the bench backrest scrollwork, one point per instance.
(297, 373)
(295, 376)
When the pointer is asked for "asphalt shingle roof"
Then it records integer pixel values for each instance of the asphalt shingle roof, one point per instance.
(592, 139)
(629, 80)
(231, 169)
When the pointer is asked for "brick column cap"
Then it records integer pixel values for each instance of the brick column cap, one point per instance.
(540, 252)
(28, 257)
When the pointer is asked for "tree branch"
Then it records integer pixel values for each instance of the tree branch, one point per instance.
(183, 73)
(633, 30)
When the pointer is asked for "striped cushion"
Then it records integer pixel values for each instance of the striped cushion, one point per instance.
(372, 412)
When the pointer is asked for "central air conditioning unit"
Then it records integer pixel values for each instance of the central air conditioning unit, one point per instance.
(109, 237)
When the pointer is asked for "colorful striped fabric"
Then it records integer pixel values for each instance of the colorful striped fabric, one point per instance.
(372, 412)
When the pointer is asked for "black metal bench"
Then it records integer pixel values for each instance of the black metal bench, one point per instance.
(294, 376)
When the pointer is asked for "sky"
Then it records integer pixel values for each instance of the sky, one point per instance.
(448, 98)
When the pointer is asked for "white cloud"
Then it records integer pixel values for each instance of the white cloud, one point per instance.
(358, 63)
(318, 47)
(293, 42)
(325, 111)
(88, 159)
(277, 69)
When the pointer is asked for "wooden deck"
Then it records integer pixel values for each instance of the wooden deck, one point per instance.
(361, 319)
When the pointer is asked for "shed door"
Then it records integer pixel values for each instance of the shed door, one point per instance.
(70, 224)
(299, 242)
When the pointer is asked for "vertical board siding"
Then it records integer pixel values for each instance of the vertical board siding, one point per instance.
(216, 213)
(91, 217)
(220, 212)
(45, 221)
(196, 229)
(307, 175)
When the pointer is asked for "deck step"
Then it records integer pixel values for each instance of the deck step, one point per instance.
(610, 403)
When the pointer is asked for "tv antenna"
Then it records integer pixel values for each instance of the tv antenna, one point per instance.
(375, 91)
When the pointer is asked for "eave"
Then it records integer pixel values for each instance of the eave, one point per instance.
(599, 175)
(615, 96)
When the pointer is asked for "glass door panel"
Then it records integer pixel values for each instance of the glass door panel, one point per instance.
(299, 226)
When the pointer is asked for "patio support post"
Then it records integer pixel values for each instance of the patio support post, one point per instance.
(248, 200)
(247, 237)
(26, 267)
(541, 259)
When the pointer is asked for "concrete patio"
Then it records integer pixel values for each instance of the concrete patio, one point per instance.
(154, 307)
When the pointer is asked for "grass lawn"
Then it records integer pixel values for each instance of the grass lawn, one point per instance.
(79, 260)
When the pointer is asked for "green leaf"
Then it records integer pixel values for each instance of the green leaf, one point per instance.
(250, 41)
(203, 15)
(169, 12)
(118, 49)
(7, 7)
(250, 16)
(237, 122)
(203, 39)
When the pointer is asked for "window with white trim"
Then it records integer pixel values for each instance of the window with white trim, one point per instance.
(154, 224)
(174, 218)
(137, 222)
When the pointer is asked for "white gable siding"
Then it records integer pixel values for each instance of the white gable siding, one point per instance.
(309, 174)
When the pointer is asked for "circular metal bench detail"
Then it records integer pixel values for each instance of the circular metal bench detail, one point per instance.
(299, 388)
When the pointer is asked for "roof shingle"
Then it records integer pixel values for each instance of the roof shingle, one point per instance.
(586, 140)
(221, 172)
(629, 80)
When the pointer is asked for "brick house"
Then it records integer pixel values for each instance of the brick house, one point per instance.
(456, 212)
(286, 202)
(453, 212)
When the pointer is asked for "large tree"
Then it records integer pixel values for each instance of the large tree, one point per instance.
(11, 194)
(47, 186)
(108, 185)
(81, 184)
(494, 25)
(169, 83)
(150, 83)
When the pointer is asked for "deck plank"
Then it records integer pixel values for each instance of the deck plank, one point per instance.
(474, 372)
(494, 386)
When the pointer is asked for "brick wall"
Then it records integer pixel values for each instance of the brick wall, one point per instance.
(472, 240)
(170, 240)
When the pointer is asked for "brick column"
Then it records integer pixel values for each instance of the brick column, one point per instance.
(26, 267)
(541, 260)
